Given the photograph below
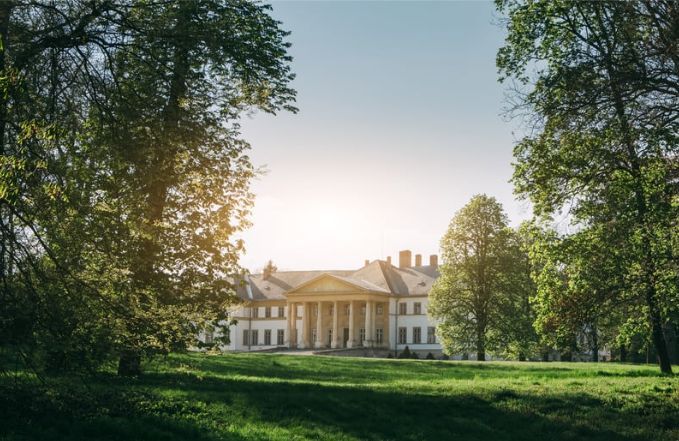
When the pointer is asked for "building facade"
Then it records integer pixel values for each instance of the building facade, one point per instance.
(380, 306)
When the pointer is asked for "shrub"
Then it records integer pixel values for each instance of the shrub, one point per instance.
(405, 353)
(430, 356)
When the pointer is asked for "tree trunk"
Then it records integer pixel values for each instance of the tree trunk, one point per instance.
(595, 344)
(623, 353)
(480, 348)
(647, 263)
(129, 364)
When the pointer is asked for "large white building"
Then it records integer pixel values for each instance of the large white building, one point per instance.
(379, 306)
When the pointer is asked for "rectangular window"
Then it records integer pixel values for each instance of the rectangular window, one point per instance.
(380, 309)
(361, 335)
(267, 337)
(281, 311)
(379, 335)
(363, 310)
(209, 336)
(346, 309)
(246, 337)
(298, 312)
(280, 337)
(267, 311)
(402, 336)
(403, 308)
(417, 335)
(417, 308)
(255, 337)
(313, 335)
(431, 335)
(255, 312)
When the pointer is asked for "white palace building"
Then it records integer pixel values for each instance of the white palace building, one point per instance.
(379, 306)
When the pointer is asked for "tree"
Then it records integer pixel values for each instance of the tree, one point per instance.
(516, 334)
(124, 177)
(600, 80)
(472, 277)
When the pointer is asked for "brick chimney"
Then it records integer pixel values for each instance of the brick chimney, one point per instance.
(418, 259)
(434, 260)
(405, 258)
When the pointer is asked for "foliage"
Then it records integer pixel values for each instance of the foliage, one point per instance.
(597, 81)
(482, 294)
(123, 174)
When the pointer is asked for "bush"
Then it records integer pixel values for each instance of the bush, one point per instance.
(445, 357)
(414, 356)
(405, 353)
(430, 356)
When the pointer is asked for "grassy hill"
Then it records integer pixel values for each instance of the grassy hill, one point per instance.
(277, 397)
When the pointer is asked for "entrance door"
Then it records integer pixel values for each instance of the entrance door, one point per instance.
(346, 337)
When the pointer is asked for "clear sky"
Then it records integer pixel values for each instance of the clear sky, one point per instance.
(400, 124)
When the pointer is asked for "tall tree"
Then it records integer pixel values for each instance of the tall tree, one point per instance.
(472, 277)
(602, 82)
(124, 177)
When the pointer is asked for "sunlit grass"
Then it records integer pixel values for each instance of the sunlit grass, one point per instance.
(277, 397)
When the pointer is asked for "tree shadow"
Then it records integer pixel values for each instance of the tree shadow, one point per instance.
(245, 399)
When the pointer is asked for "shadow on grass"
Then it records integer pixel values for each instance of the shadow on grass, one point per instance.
(174, 406)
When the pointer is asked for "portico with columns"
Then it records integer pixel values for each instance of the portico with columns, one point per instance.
(338, 314)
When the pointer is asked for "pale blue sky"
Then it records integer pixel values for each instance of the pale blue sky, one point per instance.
(400, 123)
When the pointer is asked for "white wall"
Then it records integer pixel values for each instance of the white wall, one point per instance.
(410, 321)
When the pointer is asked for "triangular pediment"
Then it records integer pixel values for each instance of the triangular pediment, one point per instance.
(327, 283)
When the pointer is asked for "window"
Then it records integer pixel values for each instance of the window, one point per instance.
(417, 308)
(431, 335)
(313, 335)
(380, 309)
(403, 308)
(281, 311)
(246, 337)
(402, 336)
(379, 335)
(255, 337)
(280, 337)
(255, 312)
(417, 335)
(267, 311)
(361, 335)
(209, 336)
(298, 312)
(347, 308)
(363, 310)
(267, 337)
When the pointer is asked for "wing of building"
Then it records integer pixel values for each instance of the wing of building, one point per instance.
(379, 305)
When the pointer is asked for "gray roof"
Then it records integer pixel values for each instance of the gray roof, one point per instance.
(379, 276)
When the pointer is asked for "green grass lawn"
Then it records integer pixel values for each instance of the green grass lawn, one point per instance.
(278, 397)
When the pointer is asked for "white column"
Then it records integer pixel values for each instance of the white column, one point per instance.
(373, 319)
(351, 343)
(335, 325)
(292, 325)
(368, 317)
(305, 325)
(319, 323)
